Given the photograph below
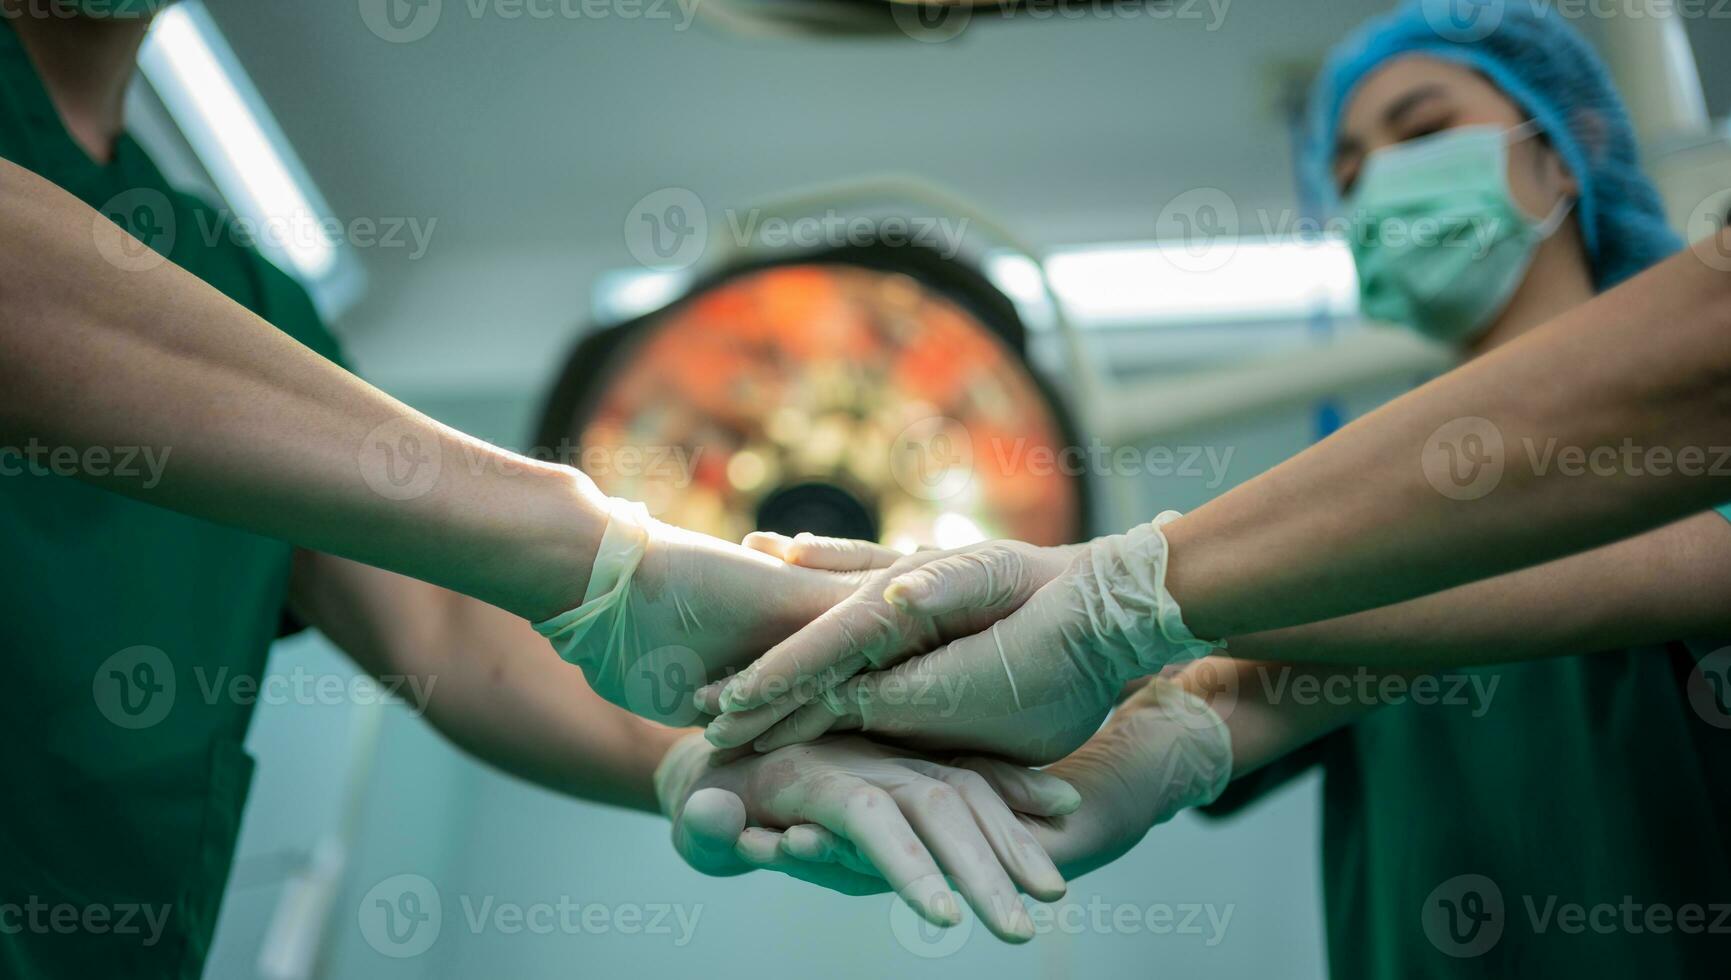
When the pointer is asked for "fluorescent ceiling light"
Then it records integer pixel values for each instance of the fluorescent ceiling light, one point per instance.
(1231, 279)
(219, 112)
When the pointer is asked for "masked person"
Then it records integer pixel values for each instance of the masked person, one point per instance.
(1588, 775)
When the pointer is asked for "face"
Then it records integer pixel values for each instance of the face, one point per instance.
(1415, 96)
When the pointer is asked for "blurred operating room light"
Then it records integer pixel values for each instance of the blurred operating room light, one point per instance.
(1228, 279)
(217, 109)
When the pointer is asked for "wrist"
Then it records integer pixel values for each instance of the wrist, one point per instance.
(566, 519)
(1122, 581)
(681, 766)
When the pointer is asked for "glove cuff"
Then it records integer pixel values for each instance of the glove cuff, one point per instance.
(681, 767)
(1183, 644)
(594, 635)
(1199, 764)
(1125, 592)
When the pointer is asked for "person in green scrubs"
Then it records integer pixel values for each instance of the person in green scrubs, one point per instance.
(136, 634)
(1563, 816)
(1528, 775)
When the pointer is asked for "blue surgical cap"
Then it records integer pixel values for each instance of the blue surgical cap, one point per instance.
(1551, 73)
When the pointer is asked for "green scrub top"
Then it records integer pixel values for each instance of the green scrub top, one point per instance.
(124, 628)
(1575, 822)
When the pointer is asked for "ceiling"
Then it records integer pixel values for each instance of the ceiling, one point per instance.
(528, 140)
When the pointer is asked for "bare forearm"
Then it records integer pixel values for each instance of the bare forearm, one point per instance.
(1355, 522)
(1662, 585)
(486, 681)
(1263, 722)
(255, 430)
(1654, 587)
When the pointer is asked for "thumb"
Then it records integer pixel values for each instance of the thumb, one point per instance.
(706, 830)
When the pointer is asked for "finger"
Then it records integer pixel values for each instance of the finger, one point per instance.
(808, 724)
(1015, 847)
(942, 819)
(869, 818)
(706, 830)
(984, 578)
(766, 850)
(862, 625)
(830, 554)
(707, 700)
(813, 842)
(741, 727)
(1029, 791)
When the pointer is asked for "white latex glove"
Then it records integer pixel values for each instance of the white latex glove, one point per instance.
(1164, 750)
(667, 610)
(866, 631)
(857, 811)
(1034, 685)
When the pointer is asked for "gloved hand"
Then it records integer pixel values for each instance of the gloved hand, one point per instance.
(1034, 685)
(667, 610)
(868, 632)
(859, 814)
(1164, 750)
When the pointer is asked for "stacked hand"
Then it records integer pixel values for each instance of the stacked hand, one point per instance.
(1162, 752)
(855, 816)
(666, 610)
(1063, 630)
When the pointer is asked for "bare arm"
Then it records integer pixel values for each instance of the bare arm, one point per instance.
(256, 430)
(494, 687)
(1354, 523)
(1659, 586)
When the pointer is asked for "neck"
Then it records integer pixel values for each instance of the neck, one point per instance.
(85, 63)
(1558, 281)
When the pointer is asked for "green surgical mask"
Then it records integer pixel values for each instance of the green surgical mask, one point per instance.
(1440, 244)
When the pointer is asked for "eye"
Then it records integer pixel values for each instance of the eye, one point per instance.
(1426, 121)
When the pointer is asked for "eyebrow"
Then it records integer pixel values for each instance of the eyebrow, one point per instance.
(1391, 116)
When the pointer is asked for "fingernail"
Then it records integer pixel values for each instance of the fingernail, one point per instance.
(720, 734)
(903, 594)
(736, 693)
(943, 906)
(1020, 927)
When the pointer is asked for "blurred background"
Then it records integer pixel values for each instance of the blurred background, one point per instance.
(755, 237)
